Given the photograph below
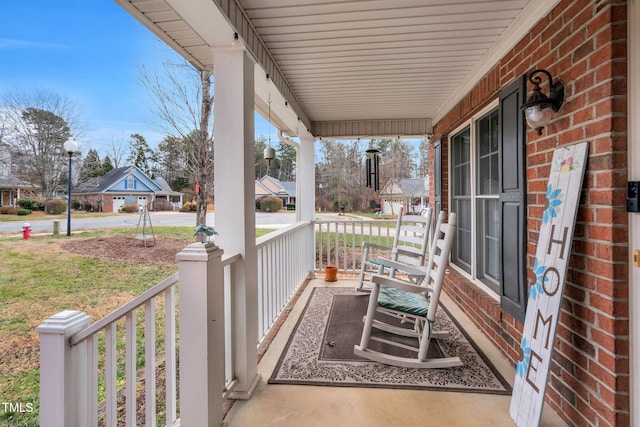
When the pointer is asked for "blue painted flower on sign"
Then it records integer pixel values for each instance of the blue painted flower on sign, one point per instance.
(538, 288)
(523, 366)
(553, 201)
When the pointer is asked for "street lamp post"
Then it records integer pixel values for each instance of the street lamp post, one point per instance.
(320, 200)
(70, 146)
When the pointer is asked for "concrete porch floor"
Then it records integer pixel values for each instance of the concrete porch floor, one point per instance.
(308, 406)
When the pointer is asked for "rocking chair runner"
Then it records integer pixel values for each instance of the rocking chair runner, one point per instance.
(410, 244)
(410, 302)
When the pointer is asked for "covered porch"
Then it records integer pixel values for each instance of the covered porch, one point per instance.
(454, 73)
(296, 405)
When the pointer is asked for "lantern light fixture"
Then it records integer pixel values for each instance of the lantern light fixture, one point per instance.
(539, 107)
(236, 43)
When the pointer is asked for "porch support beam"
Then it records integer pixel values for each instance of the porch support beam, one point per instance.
(392, 128)
(235, 206)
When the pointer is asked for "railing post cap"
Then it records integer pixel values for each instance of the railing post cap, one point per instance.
(197, 251)
(65, 323)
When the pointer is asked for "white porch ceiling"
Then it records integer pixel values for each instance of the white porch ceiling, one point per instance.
(355, 67)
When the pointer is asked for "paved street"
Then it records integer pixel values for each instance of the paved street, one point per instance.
(158, 219)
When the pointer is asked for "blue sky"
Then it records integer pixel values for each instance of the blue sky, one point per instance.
(91, 52)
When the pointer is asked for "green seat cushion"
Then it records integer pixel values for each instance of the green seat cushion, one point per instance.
(402, 301)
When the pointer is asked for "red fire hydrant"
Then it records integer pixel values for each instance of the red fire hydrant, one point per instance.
(26, 231)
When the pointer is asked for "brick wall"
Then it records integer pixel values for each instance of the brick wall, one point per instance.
(584, 44)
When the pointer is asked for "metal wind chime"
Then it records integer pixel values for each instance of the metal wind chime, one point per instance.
(373, 168)
(269, 152)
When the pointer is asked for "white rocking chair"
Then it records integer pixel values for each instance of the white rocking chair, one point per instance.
(410, 244)
(410, 302)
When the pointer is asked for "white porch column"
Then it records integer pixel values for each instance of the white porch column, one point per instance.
(63, 370)
(235, 203)
(202, 338)
(305, 177)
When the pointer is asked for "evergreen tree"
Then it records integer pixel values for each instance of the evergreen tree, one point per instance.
(91, 166)
(107, 165)
(287, 163)
(141, 154)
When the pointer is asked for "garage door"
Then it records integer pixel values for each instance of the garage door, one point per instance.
(118, 202)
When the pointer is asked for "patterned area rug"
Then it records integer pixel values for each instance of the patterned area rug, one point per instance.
(320, 352)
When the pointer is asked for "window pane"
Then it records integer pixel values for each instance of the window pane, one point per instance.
(488, 154)
(494, 131)
(461, 162)
(461, 251)
(484, 130)
(461, 203)
(494, 189)
(489, 238)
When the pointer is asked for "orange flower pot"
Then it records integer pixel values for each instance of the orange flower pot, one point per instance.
(331, 273)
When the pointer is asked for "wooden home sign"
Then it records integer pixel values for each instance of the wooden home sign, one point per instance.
(545, 295)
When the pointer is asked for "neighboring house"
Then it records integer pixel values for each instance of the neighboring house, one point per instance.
(270, 186)
(12, 188)
(125, 185)
(408, 194)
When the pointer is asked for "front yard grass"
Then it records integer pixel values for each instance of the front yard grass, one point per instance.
(38, 278)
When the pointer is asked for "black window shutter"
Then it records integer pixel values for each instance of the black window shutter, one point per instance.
(437, 177)
(513, 277)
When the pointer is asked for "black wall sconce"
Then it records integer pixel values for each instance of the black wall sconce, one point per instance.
(539, 107)
(373, 168)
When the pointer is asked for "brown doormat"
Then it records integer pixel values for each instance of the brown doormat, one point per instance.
(320, 352)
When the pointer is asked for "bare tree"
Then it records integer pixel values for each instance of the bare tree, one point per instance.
(423, 149)
(37, 125)
(117, 151)
(183, 102)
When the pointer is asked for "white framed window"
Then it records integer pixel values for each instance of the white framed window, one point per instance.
(475, 198)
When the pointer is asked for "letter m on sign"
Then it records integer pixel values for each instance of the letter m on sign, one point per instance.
(549, 272)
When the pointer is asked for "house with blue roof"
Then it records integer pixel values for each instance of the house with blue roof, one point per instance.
(126, 185)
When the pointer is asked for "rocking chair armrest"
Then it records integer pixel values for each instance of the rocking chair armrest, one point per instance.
(398, 284)
(375, 246)
(413, 270)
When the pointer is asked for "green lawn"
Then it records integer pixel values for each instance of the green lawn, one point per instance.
(38, 278)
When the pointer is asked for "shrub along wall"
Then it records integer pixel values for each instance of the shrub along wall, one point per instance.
(584, 43)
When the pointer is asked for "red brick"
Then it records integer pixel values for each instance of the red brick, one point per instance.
(600, 21)
(582, 116)
(601, 303)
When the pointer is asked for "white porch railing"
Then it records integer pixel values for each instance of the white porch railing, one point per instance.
(74, 373)
(84, 378)
(285, 260)
(339, 242)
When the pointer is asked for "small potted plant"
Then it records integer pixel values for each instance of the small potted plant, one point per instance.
(331, 273)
